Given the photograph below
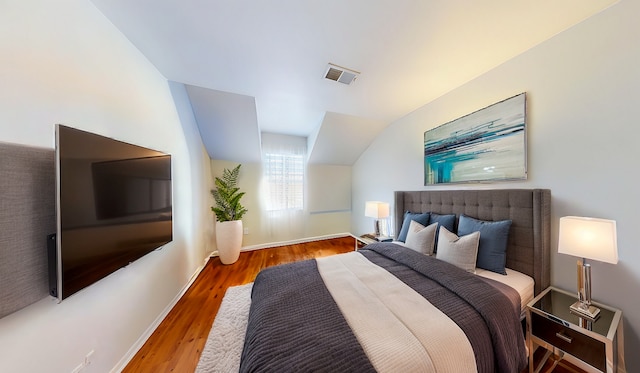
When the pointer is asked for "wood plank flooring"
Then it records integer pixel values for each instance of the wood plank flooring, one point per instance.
(176, 344)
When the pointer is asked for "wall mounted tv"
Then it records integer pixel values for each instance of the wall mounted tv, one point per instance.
(114, 205)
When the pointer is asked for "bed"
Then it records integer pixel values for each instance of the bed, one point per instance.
(390, 308)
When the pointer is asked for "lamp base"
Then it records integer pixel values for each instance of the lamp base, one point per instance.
(376, 227)
(583, 310)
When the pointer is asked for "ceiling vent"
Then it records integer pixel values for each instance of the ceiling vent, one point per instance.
(340, 74)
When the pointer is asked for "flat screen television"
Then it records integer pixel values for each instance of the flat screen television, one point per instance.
(114, 205)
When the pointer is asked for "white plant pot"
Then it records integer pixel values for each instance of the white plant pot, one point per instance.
(229, 240)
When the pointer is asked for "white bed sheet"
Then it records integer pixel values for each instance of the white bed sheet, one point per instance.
(522, 283)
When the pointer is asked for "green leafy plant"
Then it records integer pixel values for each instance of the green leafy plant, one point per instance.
(227, 196)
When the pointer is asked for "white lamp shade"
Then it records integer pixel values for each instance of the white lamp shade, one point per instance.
(376, 209)
(588, 238)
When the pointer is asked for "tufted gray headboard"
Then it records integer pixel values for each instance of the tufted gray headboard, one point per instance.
(528, 249)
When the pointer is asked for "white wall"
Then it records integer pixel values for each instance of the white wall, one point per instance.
(582, 102)
(329, 188)
(328, 201)
(202, 218)
(63, 62)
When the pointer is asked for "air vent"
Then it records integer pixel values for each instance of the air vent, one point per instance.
(340, 74)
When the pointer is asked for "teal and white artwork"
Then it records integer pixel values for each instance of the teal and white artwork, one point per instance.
(486, 145)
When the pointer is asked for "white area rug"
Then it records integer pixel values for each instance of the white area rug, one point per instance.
(222, 351)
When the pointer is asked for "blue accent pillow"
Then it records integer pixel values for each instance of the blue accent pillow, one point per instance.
(447, 221)
(422, 218)
(494, 235)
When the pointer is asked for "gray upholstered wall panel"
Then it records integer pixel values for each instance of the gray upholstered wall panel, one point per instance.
(27, 215)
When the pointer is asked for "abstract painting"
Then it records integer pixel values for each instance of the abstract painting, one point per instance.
(486, 145)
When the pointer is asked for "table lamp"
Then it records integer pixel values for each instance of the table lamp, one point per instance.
(587, 238)
(377, 210)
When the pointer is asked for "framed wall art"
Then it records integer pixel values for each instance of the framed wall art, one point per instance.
(484, 146)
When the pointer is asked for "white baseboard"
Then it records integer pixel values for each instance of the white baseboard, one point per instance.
(152, 328)
(290, 242)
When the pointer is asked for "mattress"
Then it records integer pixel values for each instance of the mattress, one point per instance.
(522, 283)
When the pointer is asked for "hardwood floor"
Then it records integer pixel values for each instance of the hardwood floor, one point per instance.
(561, 367)
(176, 344)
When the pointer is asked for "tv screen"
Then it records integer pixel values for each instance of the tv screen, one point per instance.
(114, 205)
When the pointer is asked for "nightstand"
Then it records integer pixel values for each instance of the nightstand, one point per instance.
(370, 238)
(590, 345)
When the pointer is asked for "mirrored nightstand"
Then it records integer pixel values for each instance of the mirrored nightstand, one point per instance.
(370, 238)
(589, 344)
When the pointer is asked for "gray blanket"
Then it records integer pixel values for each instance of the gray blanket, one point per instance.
(294, 324)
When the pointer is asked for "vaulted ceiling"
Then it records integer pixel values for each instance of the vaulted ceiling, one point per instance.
(253, 66)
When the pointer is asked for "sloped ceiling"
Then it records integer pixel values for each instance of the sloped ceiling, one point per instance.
(342, 138)
(228, 124)
(275, 52)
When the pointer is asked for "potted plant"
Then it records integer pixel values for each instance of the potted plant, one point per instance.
(229, 213)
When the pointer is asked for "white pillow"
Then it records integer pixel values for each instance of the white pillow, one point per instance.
(459, 251)
(421, 238)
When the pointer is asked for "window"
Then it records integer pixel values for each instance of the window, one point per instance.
(284, 167)
(284, 174)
